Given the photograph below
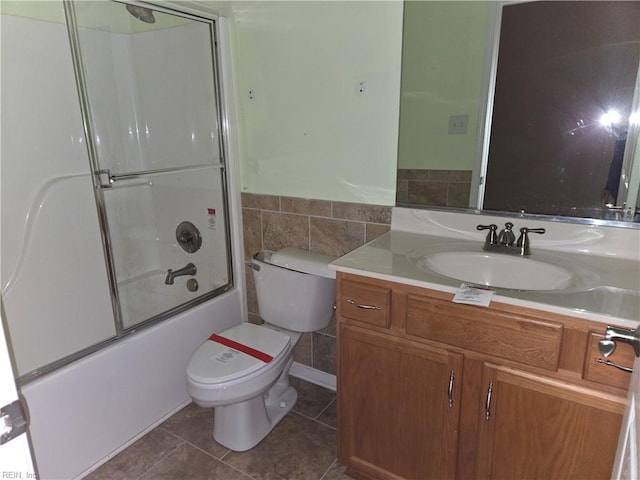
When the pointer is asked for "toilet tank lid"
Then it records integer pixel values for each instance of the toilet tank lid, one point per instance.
(303, 261)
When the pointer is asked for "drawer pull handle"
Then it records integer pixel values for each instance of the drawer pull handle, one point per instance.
(613, 364)
(450, 389)
(365, 307)
(487, 405)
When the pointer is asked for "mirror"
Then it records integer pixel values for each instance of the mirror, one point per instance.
(523, 107)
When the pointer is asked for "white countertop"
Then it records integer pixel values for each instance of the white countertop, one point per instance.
(611, 295)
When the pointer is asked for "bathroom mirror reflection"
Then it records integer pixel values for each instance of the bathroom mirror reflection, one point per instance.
(529, 108)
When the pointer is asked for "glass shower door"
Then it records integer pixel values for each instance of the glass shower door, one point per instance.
(148, 86)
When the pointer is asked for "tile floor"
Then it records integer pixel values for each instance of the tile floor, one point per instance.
(301, 447)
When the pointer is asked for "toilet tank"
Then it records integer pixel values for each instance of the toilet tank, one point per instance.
(296, 289)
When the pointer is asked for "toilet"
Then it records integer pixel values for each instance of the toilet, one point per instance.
(243, 372)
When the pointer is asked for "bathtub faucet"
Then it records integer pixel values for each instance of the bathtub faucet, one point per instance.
(188, 269)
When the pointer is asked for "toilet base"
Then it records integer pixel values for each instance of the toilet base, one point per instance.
(241, 426)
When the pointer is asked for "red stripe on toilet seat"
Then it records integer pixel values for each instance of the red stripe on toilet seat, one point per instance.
(266, 358)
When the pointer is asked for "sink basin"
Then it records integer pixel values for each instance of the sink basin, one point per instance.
(496, 270)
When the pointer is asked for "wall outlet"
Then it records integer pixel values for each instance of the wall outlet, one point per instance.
(458, 124)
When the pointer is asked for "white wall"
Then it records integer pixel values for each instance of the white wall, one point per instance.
(308, 131)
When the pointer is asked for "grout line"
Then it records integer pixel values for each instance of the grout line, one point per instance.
(313, 215)
(261, 232)
(192, 444)
(209, 454)
(335, 462)
(163, 458)
(312, 419)
(324, 409)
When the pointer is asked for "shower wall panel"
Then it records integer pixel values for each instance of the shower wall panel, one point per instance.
(54, 281)
(177, 121)
(152, 97)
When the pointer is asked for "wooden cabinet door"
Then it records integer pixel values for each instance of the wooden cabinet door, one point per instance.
(538, 428)
(399, 404)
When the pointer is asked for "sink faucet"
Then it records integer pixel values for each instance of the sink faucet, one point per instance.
(188, 269)
(505, 241)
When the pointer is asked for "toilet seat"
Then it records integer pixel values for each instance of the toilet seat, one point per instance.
(216, 362)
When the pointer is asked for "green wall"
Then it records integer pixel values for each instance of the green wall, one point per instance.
(306, 129)
(443, 60)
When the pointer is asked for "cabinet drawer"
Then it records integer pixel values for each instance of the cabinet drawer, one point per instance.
(607, 374)
(501, 334)
(366, 303)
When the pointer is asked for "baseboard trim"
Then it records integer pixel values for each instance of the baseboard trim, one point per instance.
(313, 375)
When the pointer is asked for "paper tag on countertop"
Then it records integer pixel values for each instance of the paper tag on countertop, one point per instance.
(473, 295)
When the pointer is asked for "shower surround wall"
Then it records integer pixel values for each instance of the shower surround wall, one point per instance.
(54, 193)
(54, 278)
(54, 281)
(271, 222)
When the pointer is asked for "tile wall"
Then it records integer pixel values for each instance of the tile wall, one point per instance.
(271, 222)
(436, 188)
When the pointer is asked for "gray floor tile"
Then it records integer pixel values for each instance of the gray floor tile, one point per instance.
(187, 462)
(329, 415)
(297, 449)
(336, 472)
(138, 458)
(195, 425)
(312, 399)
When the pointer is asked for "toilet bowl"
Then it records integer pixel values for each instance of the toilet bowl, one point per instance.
(243, 372)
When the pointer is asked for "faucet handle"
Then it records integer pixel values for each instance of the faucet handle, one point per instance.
(523, 241)
(492, 236)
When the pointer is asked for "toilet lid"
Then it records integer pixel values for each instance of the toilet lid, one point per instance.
(236, 352)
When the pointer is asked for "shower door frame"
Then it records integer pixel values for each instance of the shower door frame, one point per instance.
(99, 186)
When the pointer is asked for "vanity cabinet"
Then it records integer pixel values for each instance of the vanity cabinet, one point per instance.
(534, 427)
(432, 389)
(385, 391)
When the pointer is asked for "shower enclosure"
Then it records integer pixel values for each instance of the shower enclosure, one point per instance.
(141, 231)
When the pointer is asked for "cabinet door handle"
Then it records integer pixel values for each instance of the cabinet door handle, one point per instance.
(487, 405)
(450, 389)
(613, 364)
(360, 305)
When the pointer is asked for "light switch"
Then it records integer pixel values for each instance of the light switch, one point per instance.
(458, 124)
